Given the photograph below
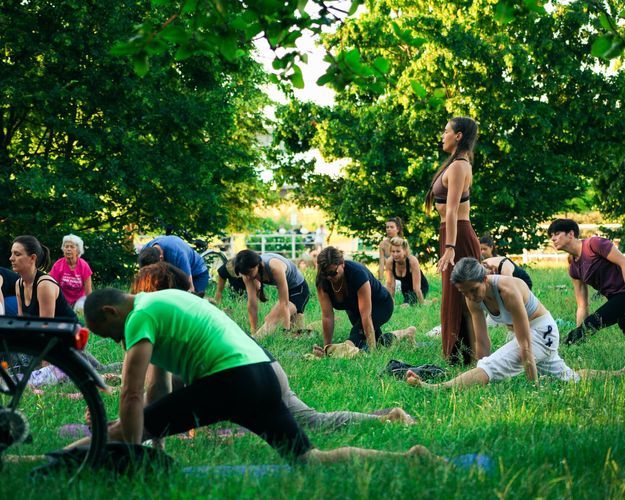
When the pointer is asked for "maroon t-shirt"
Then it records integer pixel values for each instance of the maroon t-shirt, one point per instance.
(594, 269)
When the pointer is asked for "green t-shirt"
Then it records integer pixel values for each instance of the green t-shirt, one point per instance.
(190, 337)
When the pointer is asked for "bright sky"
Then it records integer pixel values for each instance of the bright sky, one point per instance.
(311, 91)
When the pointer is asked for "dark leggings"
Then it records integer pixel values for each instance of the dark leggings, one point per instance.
(246, 395)
(381, 312)
(610, 313)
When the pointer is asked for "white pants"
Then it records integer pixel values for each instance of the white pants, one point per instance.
(505, 362)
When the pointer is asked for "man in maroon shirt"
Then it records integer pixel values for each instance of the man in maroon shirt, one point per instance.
(596, 262)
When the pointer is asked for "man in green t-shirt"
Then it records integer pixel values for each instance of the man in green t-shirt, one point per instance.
(228, 376)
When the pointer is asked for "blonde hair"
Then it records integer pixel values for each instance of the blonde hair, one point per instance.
(398, 241)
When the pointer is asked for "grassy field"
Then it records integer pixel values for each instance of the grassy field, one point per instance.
(552, 441)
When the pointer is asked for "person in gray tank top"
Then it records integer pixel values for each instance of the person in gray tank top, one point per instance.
(533, 348)
(276, 270)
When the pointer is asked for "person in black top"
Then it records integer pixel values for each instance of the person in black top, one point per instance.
(8, 299)
(496, 264)
(38, 294)
(405, 267)
(227, 274)
(350, 286)
(506, 267)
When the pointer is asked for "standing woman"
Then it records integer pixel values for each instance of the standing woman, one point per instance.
(394, 228)
(37, 293)
(404, 267)
(72, 272)
(449, 193)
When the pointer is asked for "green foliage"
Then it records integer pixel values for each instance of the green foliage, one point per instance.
(547, 118)
(86, 145)
(228, 28)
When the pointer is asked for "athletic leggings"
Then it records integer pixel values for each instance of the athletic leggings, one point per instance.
(381, 312)
(248, 395)
(610, 313)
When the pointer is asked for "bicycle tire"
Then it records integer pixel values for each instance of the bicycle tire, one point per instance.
(214, 260)
(88, 389)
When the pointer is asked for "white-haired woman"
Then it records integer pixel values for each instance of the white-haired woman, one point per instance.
(533, 346)
(72, 272)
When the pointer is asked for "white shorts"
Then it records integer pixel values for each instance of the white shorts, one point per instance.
(505, 362)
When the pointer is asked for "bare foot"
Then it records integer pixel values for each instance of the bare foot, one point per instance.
(413, 379)
(423, 453)
(319, 351)
(405, 333)
(398, 415)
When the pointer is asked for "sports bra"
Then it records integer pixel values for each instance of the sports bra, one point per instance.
(440, 191)
(504, 316)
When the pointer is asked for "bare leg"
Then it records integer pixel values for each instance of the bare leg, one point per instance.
(475, 376)
(349, 452)
(405, 333)
(397, 415)
(586, 373)
(297, 320)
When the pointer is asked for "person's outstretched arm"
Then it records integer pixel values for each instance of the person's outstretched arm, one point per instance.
(136, 362)
(221, 284)
(390, 279)
(252, 303)
(415, 269)
(581, 297)
(327, 316)
(365, 309)
(278, 269)
(480, 329)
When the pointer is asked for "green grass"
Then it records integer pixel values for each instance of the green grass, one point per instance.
(558, 440)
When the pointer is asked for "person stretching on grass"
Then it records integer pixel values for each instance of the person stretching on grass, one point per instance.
(596, 262)
(510, 302)
(350, 286)
(164, 276)
(228, 376)
(272, 269)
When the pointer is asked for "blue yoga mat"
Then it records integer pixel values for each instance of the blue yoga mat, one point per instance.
(238, 470)
(483, 462)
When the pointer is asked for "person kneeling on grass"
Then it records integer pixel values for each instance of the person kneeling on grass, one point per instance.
(508, 301)
(164, 276)
(350, 286)
(228, 376)
(596, 262)
(272, 269)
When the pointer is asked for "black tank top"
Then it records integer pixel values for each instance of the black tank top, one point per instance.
(406, 281)
(518, 272)
(61, 307)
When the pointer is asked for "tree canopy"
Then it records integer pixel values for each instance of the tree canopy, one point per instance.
(547, 116)
(86, 144)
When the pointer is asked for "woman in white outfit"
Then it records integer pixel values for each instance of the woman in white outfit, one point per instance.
(508, 301)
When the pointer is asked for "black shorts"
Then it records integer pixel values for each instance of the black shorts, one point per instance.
(381, 312)
(247, 395)
(299, 296)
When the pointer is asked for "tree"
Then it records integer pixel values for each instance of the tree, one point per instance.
(87, 145)
(546, 116)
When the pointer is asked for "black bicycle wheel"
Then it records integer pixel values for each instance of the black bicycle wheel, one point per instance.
(54, 414)
(214, 260)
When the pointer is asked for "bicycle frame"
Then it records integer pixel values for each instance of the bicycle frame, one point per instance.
(47, 337)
